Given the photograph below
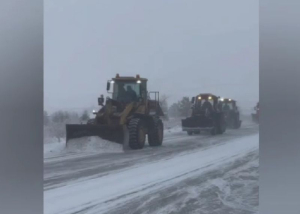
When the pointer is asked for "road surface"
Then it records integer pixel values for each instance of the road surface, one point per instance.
(188, 174)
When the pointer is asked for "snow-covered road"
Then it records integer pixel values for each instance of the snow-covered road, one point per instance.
(134, 181)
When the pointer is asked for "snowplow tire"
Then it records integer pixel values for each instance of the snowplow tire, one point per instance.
(237, 124)
(189, 132)
(137, 134)
(221, 127)
(213, 131)
(156, 133)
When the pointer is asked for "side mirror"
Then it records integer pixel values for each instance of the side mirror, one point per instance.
(193, 100)
(108, 86)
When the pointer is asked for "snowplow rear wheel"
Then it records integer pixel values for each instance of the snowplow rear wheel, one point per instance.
(156, 133)
(189, 132)
(237, 124)
(220, 129)
(213, 131)
(221, 126)
(137, 134)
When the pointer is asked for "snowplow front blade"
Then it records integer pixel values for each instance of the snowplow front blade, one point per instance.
(196, 121)
(74, 131)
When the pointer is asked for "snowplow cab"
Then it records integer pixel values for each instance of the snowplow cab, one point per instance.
(127, 116)
(231, 112)
(205, 116)
(124, 88)
(198, 101)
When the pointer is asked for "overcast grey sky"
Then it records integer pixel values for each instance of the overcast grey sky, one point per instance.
(184, 47)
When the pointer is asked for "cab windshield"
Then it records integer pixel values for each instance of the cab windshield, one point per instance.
(126, 91)
(227, 106)
(201, 101)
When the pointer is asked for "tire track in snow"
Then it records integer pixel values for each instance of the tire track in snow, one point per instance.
(106, 192)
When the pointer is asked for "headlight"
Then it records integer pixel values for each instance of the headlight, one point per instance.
(199, 98)
(139, 81)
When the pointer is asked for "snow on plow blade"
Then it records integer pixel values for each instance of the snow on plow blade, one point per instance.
(114, 134)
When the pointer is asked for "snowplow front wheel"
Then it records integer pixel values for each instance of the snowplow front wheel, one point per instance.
(137, 134)
(238, 124)
(221, 129)
(189, 132)
(213, 131)
(156, 133)
(221, 126)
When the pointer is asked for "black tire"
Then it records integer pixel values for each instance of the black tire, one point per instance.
(137, 134)
(221, 126)
(237, 124)
(197, 132)
(190, 132)
(156, 133)
(213, 131)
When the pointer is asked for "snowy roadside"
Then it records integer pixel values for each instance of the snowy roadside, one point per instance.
(54, 147)
(232, 189)
(79, 147)
(101, 194)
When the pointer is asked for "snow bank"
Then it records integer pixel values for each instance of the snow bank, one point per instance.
(92, 145)
(172, 130)
(54, 147)
(81, 146)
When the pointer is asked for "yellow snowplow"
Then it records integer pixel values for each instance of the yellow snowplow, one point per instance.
(127, 117)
